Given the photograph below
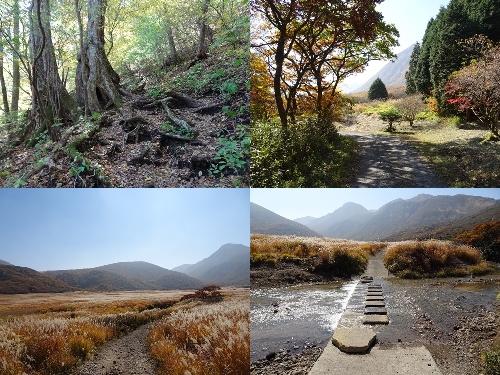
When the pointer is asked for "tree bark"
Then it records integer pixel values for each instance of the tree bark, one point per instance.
(94, 72)
(16, 76)
(202, 47)
(171, 45)
(2, 81)
(51, 102)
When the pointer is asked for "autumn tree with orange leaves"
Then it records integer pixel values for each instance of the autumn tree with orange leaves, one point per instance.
(311, 46)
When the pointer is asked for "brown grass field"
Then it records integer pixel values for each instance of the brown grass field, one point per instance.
(52, 333)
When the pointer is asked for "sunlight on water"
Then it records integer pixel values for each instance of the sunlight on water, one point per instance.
(296, 316)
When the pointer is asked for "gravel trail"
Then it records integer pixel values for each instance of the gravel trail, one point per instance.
(124, 356)
(388, 162)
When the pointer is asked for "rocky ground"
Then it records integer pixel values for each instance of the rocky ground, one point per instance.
(453, 318)
(125, 356)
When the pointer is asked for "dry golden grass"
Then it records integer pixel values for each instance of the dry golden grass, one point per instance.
(54, 332)
(335, 256)
(415, 259)
(201, 338)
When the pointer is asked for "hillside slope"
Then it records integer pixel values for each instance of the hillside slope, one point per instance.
(229, 265)
(14, 279)
(393, 73)
(264, 221)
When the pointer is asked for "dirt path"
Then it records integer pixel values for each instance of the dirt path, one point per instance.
(388, 162)
(376, 267)
(125, 356)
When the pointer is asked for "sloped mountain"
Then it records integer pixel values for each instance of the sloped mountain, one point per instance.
(448, 230)
(393, 73)
(229, 265)
(350, 212)
(404, 216)
(264, 221)
(5, 263)
(14, 279)
(304, 220)
(126, 276)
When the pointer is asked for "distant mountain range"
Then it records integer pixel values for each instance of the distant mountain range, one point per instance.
(264, 221)
(230, 265)
(393, 73)
(424, 216)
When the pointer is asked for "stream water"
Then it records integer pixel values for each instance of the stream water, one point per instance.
(294, 318)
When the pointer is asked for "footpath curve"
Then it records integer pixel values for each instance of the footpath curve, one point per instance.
(389, 162)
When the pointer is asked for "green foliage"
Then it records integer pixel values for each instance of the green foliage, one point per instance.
(491, 362)
(441, 51)
(427, 116)
(390, 116)
(183, 132)
(233, 153)
(20, 183)
(377, 91)
(411, 86)
(309, 154)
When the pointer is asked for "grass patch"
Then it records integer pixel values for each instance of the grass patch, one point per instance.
(52, 338)
(204, 339)
(417, 259)
(310, 155)
(331, 257)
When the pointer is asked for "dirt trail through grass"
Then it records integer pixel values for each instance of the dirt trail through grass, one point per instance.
(388, 162)
(376, 267)
(125, 356)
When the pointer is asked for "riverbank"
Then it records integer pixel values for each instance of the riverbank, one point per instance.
(455, 319)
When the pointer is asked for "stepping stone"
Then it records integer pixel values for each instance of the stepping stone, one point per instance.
(374, 304)
(353, 340)
(375, 311)
(375, 319)
(374, 298)
(374, 287)
(374, 290)
(371, 294)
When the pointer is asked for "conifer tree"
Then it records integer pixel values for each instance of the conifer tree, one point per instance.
(411, 87)
(378, 91)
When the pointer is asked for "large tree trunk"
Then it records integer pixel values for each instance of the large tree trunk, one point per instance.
(16, 77)
(171, 45)
(5, 100)
(51, 102)
(202, 46)
(94, 72)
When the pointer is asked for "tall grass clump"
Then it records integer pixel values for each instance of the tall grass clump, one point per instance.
(332, 257)
(58, 337)
(204, 339)
(416, 259)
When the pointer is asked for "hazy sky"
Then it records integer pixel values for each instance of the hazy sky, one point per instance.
(48, 229)
(411, 18)
(296, 203)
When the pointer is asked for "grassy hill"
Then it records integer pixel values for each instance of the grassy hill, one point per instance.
(14, 279)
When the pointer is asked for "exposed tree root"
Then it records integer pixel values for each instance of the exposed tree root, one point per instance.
(181, 123)
(185, 99)
(208, 107)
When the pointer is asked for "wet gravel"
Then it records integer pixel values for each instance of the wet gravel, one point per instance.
(456, 320)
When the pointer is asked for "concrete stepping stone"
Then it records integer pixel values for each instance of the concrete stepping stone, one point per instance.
(374, 298)
(374, 294)
(374, 288)
(374, 304)
(375, 311)
(375, 319)
(353, 340)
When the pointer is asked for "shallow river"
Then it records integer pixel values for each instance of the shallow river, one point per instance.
(295, 317)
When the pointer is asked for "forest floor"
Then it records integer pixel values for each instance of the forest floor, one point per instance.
(139, 145)
(458, 155)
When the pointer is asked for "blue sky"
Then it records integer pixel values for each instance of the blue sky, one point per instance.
(47, 229)
(411, 18)
(296, 203)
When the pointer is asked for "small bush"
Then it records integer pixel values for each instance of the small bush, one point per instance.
(485, 237)
(209, 293)
(390, 116)
(427, 116)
